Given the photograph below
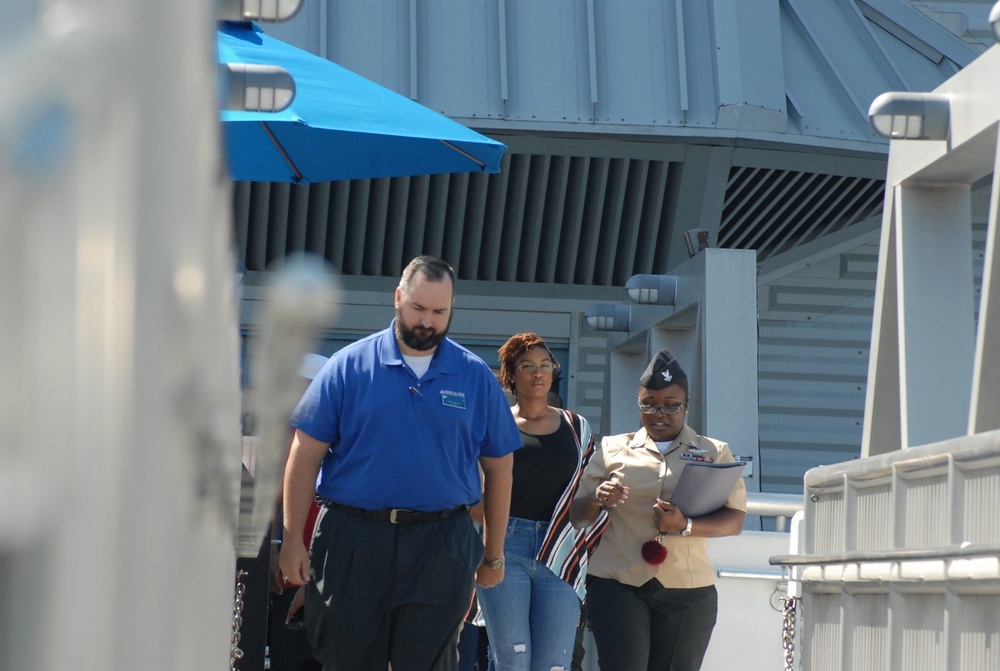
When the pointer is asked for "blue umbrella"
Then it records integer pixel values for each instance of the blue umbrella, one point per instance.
(339, 125)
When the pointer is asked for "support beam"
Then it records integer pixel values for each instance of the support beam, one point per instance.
(984, 413)
(936, 311)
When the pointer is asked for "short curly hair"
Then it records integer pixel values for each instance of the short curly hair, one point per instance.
(515, 346)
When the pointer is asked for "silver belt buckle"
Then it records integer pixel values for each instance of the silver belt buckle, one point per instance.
(394, 512)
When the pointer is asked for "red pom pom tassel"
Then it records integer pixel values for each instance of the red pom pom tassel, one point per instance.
(653, 551)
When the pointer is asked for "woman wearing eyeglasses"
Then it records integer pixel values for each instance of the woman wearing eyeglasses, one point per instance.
(531, 617)
(651, 594)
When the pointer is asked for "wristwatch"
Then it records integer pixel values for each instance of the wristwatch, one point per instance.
(687, 530)
(494, 563)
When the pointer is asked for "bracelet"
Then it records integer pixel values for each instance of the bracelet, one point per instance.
(275, 541)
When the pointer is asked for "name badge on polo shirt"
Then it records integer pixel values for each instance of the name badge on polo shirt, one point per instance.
(453, 399)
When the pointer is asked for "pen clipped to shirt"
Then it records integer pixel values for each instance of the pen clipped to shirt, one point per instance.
(416, 392)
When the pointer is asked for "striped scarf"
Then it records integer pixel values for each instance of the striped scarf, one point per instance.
(566, 550)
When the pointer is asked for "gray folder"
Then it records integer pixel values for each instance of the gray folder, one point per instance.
(703, 488)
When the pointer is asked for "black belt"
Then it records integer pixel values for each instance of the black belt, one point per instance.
(396, 515)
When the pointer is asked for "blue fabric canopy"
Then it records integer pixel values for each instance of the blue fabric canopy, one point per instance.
(340, 125)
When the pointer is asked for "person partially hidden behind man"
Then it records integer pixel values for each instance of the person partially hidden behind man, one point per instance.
(399, 423)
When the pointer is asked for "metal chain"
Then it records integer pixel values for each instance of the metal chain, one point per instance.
(788, 631)
(235, 654)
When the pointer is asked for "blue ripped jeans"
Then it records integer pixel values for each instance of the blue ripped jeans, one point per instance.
(531, 616)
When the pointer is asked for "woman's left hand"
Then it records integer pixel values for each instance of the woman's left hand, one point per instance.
(668, 517)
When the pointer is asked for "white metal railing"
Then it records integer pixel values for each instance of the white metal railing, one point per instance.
(898, 565)
(779, 506)
(941, 495)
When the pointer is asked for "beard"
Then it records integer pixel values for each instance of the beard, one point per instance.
(420, 338)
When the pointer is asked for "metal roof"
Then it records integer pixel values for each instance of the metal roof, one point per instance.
(627, 122)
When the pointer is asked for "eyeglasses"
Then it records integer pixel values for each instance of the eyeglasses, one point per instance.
(665, 409)
(528, 367)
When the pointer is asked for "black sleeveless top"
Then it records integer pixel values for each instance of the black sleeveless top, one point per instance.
(543, 468)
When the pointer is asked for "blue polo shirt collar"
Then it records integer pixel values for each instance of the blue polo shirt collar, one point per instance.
(444, 362)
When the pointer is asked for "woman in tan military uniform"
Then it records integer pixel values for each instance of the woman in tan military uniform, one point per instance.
(649, 611)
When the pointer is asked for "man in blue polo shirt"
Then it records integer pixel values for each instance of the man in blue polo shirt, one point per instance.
(399, 425)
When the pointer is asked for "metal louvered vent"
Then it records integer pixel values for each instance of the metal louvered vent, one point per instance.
(773, 211)
(544, 218)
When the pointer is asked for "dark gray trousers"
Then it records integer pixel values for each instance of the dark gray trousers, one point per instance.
(650, 628)
(384, 593)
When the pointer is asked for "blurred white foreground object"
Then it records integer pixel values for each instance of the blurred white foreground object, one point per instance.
(302, 300)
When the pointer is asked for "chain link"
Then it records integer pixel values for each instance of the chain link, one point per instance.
(788, 631)
(235, 654)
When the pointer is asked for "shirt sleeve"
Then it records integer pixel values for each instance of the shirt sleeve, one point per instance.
(318, 411)
(502, 435)
(593, 475)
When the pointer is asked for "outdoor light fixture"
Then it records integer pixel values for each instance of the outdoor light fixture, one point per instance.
(256, 88)
(911, 116)
(995, 20)
(652, 289)
(257, 10)
(696, 240)
(608, 316)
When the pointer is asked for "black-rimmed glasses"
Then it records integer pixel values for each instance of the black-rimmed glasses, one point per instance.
(665, 409)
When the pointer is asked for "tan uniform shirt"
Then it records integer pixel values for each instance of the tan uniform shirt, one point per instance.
(634, 460)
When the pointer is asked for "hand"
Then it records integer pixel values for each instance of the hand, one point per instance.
(488, 577)
(294, 562)
(668, 517)
(610, 493)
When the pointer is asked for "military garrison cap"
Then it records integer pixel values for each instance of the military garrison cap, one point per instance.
(662, 371)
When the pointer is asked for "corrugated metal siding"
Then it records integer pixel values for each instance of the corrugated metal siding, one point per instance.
(588, 375)
(815, 337)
